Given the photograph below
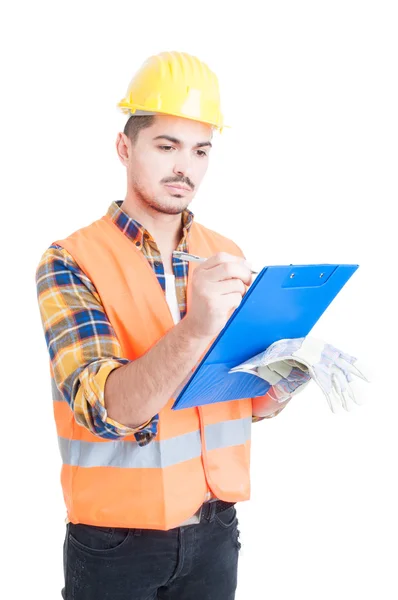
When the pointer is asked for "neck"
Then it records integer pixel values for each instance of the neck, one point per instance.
(165, 229)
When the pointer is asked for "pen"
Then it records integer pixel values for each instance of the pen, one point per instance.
(193, 258)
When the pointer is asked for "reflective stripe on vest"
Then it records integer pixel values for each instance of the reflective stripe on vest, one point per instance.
(157, 454)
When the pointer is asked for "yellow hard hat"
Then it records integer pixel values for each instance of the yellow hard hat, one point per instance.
(175, 83)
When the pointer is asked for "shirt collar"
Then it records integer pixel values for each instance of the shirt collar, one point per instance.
(137, 232)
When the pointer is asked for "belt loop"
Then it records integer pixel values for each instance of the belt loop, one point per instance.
(208, 512)
(212, 512)
(136, 531)
(204, 512)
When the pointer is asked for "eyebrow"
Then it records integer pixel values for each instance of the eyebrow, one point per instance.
(176, 141)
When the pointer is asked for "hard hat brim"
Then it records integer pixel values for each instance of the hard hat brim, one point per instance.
(127, 109)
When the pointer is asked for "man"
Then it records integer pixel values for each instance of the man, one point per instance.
(150, 492)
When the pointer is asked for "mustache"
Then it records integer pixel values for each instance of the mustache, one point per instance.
(183, 181)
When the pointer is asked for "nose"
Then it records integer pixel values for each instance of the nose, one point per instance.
(183, 167)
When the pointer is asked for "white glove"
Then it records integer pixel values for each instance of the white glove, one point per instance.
(286, 378)
(331, 369)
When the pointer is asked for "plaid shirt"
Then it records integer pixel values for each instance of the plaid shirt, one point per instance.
(81, 341)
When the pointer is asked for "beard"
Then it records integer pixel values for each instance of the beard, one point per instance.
(167, 205)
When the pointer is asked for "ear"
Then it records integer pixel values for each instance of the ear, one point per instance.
(123, 148)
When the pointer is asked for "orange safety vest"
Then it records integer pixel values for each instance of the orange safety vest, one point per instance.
(117, 483)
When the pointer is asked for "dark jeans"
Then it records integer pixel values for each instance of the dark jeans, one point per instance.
(193, 562)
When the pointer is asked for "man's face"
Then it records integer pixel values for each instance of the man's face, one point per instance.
(173, 151)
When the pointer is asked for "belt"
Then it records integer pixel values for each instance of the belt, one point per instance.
(203, 513)
(201, 516)
(220, 507)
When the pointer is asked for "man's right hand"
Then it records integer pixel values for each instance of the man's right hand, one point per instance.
(218, 286)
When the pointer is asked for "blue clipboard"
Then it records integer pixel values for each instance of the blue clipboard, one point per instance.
(282, 302)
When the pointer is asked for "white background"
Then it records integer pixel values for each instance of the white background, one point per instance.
(306, 174)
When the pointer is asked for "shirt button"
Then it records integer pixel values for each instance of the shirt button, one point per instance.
(157, 263)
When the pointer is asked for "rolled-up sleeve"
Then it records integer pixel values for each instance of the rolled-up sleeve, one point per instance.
(82, 345)
(90, 410)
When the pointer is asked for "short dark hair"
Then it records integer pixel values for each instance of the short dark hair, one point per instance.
(135, 124)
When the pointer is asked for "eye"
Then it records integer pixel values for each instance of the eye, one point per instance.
(202, 153)
(166, 148)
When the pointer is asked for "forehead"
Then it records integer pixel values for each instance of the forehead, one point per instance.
(186, 130)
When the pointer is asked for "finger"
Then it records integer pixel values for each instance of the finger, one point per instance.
(229, 270)
(355, 371)
(327, 391)
(230, 286)
(354, 366)
(361, 394)
(359, 369)
(344, 367)
(350, 368)
(231, 301)
(351, 395)
(335, 399)
(326, 384)
(342, 387)
(329, 398)
(340, 377)
(348, 400)
(221, 258)
(339, 390)
(350, 359)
